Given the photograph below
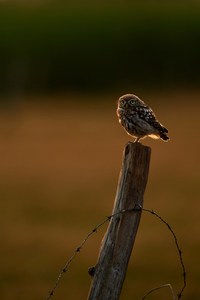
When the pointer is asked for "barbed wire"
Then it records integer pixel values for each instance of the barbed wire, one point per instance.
(179, 295)
(78, 250)
(108, 219)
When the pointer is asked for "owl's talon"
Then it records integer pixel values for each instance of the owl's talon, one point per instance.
(137, 140)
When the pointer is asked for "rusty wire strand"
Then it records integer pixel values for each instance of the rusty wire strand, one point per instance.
(160, 287)
(95, 229)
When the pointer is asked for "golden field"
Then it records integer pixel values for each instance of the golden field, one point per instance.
(60, 162)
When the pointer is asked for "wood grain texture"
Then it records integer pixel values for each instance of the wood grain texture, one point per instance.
(118, 241)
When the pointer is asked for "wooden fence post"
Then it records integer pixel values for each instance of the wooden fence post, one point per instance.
(110, 270)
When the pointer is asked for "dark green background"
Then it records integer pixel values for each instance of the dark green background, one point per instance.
(97, 47)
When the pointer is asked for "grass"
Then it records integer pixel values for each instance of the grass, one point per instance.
(59, 169)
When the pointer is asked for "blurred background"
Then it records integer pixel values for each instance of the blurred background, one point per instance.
(63, 66)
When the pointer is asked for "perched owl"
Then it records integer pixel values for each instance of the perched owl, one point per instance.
(138, 119)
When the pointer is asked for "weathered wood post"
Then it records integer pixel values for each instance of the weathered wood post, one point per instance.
(110, 270)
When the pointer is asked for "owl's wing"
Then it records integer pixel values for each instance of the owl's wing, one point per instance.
(146, 114)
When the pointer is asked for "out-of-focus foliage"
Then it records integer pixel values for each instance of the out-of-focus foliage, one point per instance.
(60, 47)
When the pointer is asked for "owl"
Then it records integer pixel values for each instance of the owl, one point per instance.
(138, 119)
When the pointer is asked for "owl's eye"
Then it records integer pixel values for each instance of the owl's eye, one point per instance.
(132, 102)
(122, 103)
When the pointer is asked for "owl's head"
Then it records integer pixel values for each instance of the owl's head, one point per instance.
(128, 101)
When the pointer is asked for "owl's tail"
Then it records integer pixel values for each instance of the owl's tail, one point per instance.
(163, 133)
(164, 137)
